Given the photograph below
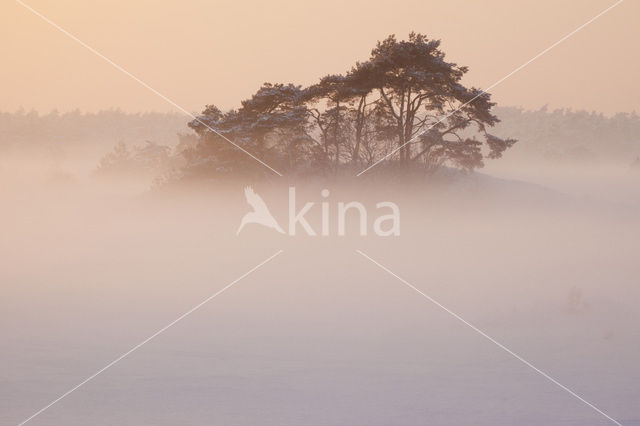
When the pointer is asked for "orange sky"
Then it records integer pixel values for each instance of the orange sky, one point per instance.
(199, 52)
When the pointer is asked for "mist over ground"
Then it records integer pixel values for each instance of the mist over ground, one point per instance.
(539, 250)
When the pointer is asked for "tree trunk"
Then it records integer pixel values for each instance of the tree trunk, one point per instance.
(359, 125)
(336, 134)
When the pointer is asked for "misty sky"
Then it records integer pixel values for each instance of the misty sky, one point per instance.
(197, 52)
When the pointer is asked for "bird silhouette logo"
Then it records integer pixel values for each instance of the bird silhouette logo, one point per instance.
(260, 214)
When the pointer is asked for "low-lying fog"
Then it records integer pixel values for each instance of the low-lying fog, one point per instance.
(544, 259)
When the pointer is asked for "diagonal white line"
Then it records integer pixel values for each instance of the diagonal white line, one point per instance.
(119, 68)
(484, 91)
(491, 339)
(163, 329)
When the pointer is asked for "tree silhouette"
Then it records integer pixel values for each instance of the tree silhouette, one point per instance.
(405, 98)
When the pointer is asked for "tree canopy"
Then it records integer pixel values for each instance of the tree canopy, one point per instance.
(405, 104)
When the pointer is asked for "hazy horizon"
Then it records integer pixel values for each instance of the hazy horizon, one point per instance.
(22, 109)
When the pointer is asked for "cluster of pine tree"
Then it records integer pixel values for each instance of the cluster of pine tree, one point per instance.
(405, 102)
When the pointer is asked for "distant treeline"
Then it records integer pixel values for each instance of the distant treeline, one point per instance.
(566, 135)
(94, 132)
(553, 134)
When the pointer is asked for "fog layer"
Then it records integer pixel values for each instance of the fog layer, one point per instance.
(543, 258)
